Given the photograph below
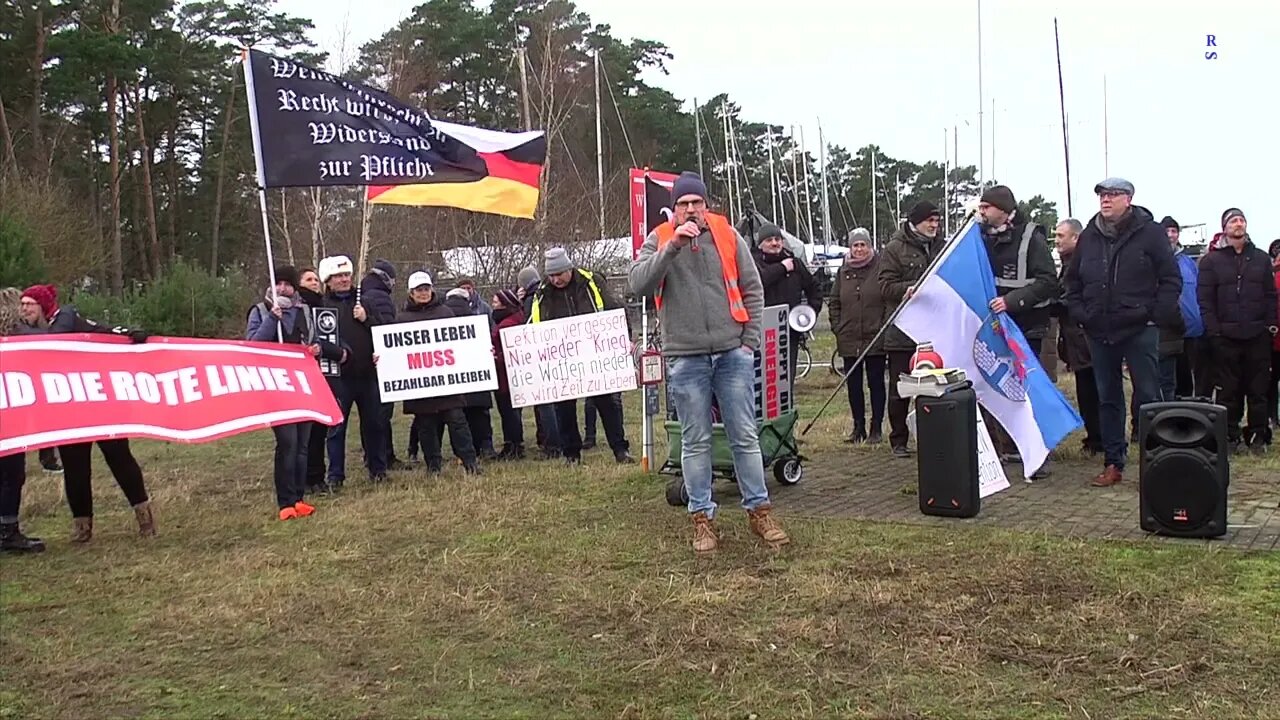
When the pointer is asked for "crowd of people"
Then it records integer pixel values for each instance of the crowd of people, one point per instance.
(1127, 298)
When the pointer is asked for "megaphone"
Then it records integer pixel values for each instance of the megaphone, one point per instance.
(802, 318)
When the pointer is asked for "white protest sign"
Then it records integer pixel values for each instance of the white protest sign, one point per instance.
(570, 358)
(432, 358)
(991, 477)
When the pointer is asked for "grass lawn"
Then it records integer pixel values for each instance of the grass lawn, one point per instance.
(542, 592)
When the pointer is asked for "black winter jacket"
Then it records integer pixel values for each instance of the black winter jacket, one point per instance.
(69, 320)
(1237, 292)
(354, 335)
(902, 264)
(434, 310)
(786, 287)
(1118, 286)
(1029, 306)
(375, 296)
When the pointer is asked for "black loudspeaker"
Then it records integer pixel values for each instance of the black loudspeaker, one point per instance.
(947, 456)
(1184, 470)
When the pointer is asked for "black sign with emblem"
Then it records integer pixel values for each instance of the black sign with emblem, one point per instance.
(325, 322)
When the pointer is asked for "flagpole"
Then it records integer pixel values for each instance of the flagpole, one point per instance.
(933, 266)
(261, 179)
(982, 175)
(946, 194)
(1062, 105)
(364, 239)
(875, 212)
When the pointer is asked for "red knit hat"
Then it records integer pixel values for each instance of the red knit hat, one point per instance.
(46, 296)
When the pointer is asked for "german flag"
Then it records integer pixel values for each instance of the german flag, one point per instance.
(491, 172)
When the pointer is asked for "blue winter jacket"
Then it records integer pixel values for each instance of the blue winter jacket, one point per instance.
(1187, 300)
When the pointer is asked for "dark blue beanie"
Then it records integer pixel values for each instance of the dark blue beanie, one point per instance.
(688, 184)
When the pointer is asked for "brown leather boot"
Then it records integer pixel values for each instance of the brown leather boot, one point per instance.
(764, 524)
(705, 537)
(81, 529)
(146, 521)
(1107, 478)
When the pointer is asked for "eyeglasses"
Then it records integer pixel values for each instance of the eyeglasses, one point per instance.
(691, 204)
(1112, 193)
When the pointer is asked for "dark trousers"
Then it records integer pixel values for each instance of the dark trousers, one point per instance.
(315, 454)
(77, 477)
(589, 416)
(1244, 370)
(610, 417)
(1141, 352)
(415, 435)
(1087, 401)
(431, 434)
(480, 423)
(388, 417)
(1274, 402)
(292, 441)
(1199, 358)
(1184, 384)
(872, 368)
(512, 419)
(362, 394)
(48, 457)
(548, 428)
(13, 475)
(793, 355)
(899, 362)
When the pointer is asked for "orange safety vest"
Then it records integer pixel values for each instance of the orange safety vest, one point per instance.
(727, 247)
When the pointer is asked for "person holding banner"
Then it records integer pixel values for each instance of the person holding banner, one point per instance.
(433, 414)
(284, 318)
(358, 384)
(544, 416)
(41, 315)
(310, 291)
(710, 307)
(13, 468)
(567, 292)
(477, 404)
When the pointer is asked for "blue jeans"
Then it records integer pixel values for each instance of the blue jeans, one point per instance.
(363, 394)
(729, 377)
(1142, 353)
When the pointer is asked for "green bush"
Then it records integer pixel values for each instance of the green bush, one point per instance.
(20, 261)
(186, 302)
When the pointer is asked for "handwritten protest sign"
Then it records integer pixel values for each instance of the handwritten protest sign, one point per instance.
(571, 358)
(433, 358)
(79, 388)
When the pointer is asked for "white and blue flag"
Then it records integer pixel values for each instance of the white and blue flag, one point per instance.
(951, 310)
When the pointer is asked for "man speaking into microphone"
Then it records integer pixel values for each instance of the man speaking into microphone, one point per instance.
(710, 303)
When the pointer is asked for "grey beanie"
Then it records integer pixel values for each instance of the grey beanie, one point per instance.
(556, 261)
(860, 234)
(766, 231)
(527, 276)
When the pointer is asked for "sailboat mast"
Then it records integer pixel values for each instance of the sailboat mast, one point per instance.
(795, 178)
(1062, 104)
(697, 132)
(808, 196)
(599, 146)
(728, 158)
(773, 183)
(826, 202)
(946, 184)
(875, 202)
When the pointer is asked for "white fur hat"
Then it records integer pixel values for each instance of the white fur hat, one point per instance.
(335, 265)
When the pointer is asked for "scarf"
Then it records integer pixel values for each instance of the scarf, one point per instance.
(284, 302)
(994, 231)
(1111, 230)
(855, 264)
(500, 314)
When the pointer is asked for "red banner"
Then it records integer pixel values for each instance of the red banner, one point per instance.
(638, 229)
(78, 388)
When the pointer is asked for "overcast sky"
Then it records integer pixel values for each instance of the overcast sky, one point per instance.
(1195, 136)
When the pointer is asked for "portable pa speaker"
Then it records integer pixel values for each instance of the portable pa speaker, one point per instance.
(1184, 470)
(947, 457)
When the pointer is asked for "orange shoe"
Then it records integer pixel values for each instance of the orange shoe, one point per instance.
(288, 513)
(304, 510)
